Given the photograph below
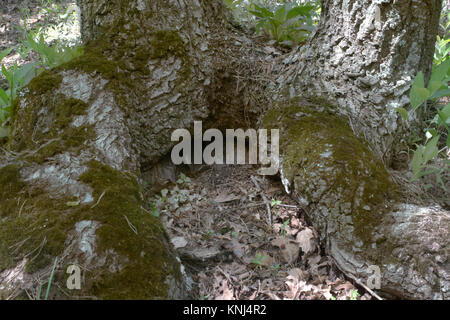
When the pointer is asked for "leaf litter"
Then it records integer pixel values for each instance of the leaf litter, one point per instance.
(217, 222)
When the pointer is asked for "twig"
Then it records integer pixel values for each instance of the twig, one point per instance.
(99, 198)
(131, 225)
(21, 208)
(269, 213)
(373, 294)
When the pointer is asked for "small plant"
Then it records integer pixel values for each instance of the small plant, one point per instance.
(284, 226)
(275, 267)
(208, 235)
(354, 294)
(438, 127)
(275, 203)
(18, 77)
(154, 210)
(442, 50)
(288, 24)
(258, 260)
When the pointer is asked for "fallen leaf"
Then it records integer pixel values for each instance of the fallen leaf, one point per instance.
(221, 198)
(227, 294)
(289, 250)
(306, 240)
(237, 248)
(346, 286)
(179, 242)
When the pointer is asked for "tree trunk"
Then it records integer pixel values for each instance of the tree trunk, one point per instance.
(85, 133)
(363, 59)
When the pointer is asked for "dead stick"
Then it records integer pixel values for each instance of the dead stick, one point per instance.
(269, 213)
(365, 287)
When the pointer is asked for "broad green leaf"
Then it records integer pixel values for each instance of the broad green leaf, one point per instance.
(441, 93)
(440, 71)
(434, 86)
(403, 113)
(417, 160)
(4, 53)
(280, 14)
(4, 97)
(26, 72)
(444, 115)
(419, 81)
(431, 150)
(301, 10)
(418, 96)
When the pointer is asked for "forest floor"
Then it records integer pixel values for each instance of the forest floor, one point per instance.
(17, 17)
(238, 234)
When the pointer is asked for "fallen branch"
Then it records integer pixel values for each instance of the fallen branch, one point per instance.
(373, 294)
(266, 201)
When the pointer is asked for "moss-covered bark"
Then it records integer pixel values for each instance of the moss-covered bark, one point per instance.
(356, 206)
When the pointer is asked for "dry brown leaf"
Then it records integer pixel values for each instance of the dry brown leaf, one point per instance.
(306, 240)
(179, 242)
(223, 197)
(289, 250)
(290, 253)
(345, 286)
(227, 292)
(263, 259)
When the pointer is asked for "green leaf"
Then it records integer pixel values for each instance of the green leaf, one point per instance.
(444, 115)
(440, 71)
(418, 96)
(434, 86)
(4, 97)
(8, 75)
(280, 14)
(441, 93)
(431, 150)
(26, 73)
(417, 160)
(299, 11)
(403, 113)
(4, 53)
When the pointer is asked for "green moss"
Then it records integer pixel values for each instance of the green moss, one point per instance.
(166, 42)
(61, 135)
(122, 201)
(94, 61)
(31, 224)
(319, 146)
(42, 227)
(11, 186)
(46, 81)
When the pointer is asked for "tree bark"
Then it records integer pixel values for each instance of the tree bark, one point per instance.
(84, 134)
(363, 58)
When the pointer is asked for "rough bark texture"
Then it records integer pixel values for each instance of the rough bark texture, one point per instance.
(360, 213)
(84, 133)
(363, 58)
